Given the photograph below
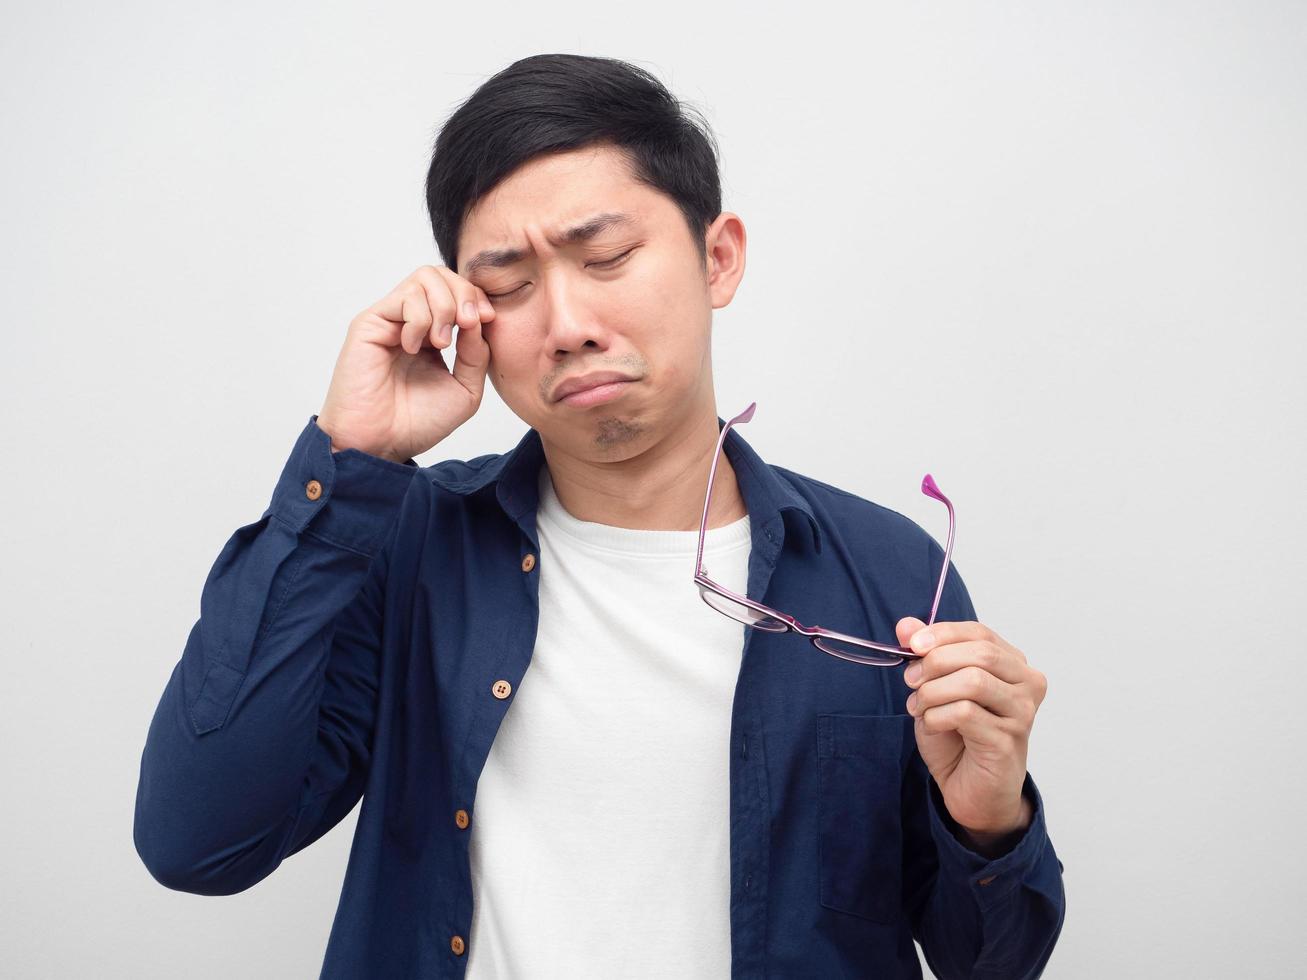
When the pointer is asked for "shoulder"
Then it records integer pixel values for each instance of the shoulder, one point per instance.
(857, 521)
(880, 543)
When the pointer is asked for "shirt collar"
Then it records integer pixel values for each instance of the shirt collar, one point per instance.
(767, 493)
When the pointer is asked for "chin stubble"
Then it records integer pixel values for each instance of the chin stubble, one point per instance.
(614, 431)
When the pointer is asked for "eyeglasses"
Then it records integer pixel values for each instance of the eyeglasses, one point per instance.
(755, 614)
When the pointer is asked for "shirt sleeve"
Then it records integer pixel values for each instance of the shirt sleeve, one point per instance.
(974, 916)
(261, 740)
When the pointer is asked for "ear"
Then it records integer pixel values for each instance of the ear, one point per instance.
(725, 242)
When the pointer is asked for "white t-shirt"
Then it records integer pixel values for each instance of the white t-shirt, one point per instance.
(600, 839)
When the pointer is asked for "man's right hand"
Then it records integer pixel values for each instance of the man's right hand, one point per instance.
(392, 394)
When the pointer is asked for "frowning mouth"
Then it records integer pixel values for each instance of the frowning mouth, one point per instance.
(596, 395)
(584, 382)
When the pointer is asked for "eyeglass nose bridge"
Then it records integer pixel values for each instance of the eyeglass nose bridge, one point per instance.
(814, 632)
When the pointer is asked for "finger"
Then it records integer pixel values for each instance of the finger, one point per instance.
(483, 304)
(444, 305)
(973, 722)
(957, 632)
(906, 627)
(470, 301)
(417, 317)
(482, 300)
(997, 660)
(971, 684)
(406, 309)
(471, 359)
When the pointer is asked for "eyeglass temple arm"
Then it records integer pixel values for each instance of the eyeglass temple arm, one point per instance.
(930, 489)
(712, 473)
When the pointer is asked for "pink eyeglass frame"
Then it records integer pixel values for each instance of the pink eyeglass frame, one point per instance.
(786, 623)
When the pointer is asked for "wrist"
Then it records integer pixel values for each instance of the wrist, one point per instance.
(334, 446)
(995, 842)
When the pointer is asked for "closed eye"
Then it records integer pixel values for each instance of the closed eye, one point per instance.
(612, 263)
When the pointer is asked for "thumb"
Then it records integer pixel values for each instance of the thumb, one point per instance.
(471, 359)
(906, 627)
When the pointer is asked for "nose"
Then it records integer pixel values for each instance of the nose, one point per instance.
(571, 324)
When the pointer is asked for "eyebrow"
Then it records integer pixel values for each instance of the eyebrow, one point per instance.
(497, 258)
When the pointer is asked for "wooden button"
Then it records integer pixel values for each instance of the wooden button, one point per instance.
(460, 818)
(456, 944)
(528, 563)
(986, 881)
(313, 489)
(501, 689)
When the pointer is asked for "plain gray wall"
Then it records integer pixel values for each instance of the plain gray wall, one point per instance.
(1053, 254)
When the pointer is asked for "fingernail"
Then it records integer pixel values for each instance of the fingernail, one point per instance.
(470, 310)
(912, 674)
(923, 640)
(446, 331)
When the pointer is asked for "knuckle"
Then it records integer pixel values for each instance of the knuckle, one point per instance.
(430, 282)
(451, 279)
(977, 679)
(1029, 710)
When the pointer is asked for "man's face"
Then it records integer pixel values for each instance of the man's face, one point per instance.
(632, 297)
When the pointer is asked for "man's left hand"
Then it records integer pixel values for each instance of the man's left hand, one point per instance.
(974, 702)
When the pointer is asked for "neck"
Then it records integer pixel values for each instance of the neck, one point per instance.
(659, 489)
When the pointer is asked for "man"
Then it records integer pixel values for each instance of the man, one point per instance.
(570, 763)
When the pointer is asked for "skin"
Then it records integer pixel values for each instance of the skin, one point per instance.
(974, 701)
(642, 460)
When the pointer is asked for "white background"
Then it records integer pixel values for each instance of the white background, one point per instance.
(1051, 253)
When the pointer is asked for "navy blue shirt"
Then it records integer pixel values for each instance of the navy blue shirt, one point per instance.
(355, 642)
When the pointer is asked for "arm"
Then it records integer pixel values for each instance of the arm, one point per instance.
(261, 739)
(987, 916)
(980, 905)
(995, 845)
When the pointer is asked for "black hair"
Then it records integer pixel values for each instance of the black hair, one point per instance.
(556, 102)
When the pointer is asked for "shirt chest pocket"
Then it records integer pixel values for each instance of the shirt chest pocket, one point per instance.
(860, 762)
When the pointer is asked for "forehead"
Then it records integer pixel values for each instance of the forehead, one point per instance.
(555, 192)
